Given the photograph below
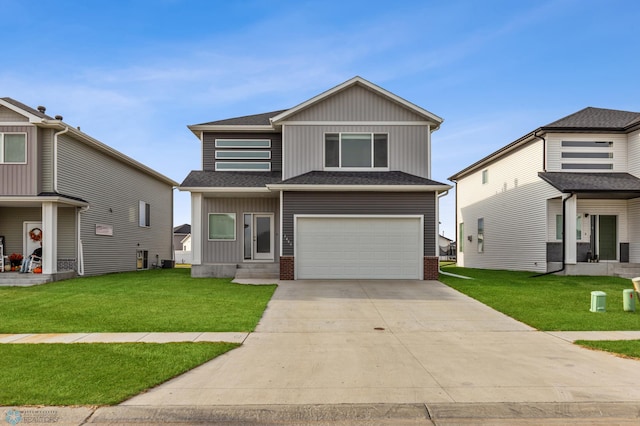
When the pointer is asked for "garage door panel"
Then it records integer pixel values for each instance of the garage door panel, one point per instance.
(359, 247)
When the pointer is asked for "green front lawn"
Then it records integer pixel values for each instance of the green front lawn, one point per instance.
(626, 348)
(93, 374)
(550, 303)
(145, 301)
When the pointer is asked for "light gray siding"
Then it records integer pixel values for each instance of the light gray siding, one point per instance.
(67, 240)
(356, 103)
(381, 203)
(408, 147)
(114, 191)
(232, 251)
(21, 179)
(209, 150)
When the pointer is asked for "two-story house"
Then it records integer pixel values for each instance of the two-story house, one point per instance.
(93, 209)
(564, 198)
(337, 187)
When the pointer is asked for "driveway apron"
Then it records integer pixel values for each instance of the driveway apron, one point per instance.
(333, 342)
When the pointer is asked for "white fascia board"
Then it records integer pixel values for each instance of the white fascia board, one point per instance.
(21, 201)
(359, 80)
(32, 118)
(359, 123)
(198, 129)
(367, 188)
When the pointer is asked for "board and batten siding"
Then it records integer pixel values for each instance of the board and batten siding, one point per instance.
(113, 190)
(356, 103)
(554, 150)
(233, 251)
(209, 148)
(513, 204)
(21, 179)
(409, 148)
(359, 203)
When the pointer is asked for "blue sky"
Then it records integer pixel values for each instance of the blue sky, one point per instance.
(134, 74)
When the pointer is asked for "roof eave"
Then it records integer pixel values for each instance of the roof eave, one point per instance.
(352, 188)
(198, 129)
(223, 189)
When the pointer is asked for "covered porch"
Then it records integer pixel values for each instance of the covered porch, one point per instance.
(49, 221)
(594, 225)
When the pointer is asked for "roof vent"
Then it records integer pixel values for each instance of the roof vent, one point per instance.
(41, 109)
(58, 117)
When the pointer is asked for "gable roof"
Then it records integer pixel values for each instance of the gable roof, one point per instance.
(247, 120)
(182, 229)
(22, 108)
(428, 116)
(589, 119)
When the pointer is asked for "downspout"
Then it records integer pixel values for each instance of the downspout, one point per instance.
(564, 240)
(55, 157)
(438, 196)
(544, 150)
(81, 210)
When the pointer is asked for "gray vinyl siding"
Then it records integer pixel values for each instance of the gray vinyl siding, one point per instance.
(7, 116)
(21, 179)
(356, 103)
(232, 251)
(11, 225)
(67, 240)
(209, 150)
(408, 147)
(359, 203)
(45, 144)
(114, 190)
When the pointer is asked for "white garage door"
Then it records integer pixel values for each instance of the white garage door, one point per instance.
(358, 247)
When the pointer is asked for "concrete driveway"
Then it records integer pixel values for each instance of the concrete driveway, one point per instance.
(339, 342)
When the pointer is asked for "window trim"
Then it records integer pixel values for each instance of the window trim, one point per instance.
(238, 143)
(461, 237)
(480, 235)
(144, 214)
(2, 142)
(241, 169)
(354, 169)
(485, 176)
(235, 226)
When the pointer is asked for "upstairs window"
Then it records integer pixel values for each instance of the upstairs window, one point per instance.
(485, 176)
(242, 155)
(13, 148)
(587, 155)
(481, 235)
(356, 151)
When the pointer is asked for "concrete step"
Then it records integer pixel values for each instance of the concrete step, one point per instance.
(258, 270)
(16, 279)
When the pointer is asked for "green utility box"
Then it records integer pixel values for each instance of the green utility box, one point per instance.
(598, 301)
(629, 300)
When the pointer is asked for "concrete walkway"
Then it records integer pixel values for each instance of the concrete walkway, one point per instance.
(402, 342)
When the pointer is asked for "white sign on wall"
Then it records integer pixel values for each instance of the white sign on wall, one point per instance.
(104, 229)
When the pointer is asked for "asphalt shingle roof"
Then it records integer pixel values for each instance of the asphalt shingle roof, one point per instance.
(210, 179)
(182, 229)
(596, 118)
(27, 108)
(622, 183)
(358, 178)
(247, 120)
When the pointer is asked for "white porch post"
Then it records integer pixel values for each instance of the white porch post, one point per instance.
(196, 228)
(49, 238)
(571, 208)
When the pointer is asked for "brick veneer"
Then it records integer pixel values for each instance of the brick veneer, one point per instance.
(286, 268)
(430, 267)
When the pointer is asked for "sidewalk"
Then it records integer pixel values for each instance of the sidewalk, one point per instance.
(123, 337)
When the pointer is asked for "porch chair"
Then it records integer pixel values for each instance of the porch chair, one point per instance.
(36, 261)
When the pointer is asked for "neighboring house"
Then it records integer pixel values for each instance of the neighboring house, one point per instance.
(565, 198)
(182, 244)
(93, 209)
(179, 233)
(338, 187)
(447, 248)
(186, 243)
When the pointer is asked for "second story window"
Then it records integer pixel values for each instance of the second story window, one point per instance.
(13, 148)
(144, 214)
(485, 176)
(356, 151)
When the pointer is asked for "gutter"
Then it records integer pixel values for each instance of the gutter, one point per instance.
(544, 150)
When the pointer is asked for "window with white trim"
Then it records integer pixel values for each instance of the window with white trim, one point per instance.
(222, 226)
(13, 148)
(481, 235)
(243, 155)
(485, 176)
(587, 155)
(559, 232)
(356, 151)
(144, 214)
(461, 238)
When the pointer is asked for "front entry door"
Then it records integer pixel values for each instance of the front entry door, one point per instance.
(607, 238)
(258, 236)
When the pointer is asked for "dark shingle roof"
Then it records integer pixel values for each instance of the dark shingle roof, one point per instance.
(616, 185)
(27, 108)
(182, 229)
(247, 120)
(57, 194)
(359, 178)
(597, 118)
(209, 179)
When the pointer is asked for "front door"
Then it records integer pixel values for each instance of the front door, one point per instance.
(607, 237)
(258, 236)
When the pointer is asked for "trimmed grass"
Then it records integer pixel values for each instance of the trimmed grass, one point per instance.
(550, 303)
(626, 348)
(144, 301)
(94, 374)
